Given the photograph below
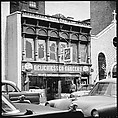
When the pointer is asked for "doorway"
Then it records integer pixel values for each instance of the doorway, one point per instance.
(101, 66)
(52, 88)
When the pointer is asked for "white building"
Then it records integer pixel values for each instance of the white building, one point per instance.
(5, 11)
(103, 52)
(103, 43)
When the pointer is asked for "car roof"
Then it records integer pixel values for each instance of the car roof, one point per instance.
(9, 82)
(111, 80)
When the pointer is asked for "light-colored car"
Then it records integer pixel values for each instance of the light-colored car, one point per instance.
(83, 90)
(100, 102)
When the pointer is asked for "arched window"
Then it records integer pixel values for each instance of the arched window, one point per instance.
(53, 51)
(83, 49)
(101, 66)
(114, 71)
(41, 50)
(74, 52)
(29, 48)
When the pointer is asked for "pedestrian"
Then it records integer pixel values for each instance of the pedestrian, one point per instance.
(73, 87)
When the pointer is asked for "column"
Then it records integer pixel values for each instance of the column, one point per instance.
(89, 51)
(59, 88)
(58, 56)
(78, 53)
(36, 50)
(47, 49)
(23, 47)
(48, 44)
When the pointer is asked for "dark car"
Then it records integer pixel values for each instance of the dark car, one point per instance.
(11, 91)
(100, 102)
(34, 111)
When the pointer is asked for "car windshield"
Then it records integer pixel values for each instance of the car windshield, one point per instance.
(104, 88)
(7, 106)
(9, 87)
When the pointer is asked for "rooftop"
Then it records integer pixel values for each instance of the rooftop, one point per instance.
(59, 18)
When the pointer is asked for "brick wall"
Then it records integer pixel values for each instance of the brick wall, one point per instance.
(20, 5)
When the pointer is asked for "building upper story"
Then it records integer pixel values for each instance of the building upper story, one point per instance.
(32, 6)
(53, 40)
(57, 32)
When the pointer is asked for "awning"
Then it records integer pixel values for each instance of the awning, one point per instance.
(55, 75)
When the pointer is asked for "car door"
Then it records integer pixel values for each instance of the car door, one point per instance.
(8, 88)
(13, 93)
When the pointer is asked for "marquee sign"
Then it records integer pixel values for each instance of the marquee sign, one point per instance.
(54, 68)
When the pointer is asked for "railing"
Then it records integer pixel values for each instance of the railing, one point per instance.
(57, 19)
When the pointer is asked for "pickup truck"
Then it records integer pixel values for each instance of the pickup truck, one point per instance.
(12, 92)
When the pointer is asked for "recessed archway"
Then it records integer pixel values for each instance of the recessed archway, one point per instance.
(101, 66)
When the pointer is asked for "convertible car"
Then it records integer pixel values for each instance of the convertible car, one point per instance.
(11, 91)
(17, 110)
(100, 102)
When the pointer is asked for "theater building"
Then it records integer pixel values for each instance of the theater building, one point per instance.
(48, 52)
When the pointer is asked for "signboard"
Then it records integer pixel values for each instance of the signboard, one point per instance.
(56, 68)
(68, 54)
(48, 69)
(28, 66)
(52, 68)
(85, 68)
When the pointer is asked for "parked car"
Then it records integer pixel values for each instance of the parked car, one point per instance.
(11, 91)
(34, 111)
(62, 104)
(83, 90)
(65, 95)
(100, 102)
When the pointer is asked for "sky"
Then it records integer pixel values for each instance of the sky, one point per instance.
(79, 10)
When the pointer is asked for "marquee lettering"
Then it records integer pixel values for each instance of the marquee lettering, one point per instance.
(56, 68)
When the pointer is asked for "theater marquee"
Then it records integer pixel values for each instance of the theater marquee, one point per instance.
(55, 68)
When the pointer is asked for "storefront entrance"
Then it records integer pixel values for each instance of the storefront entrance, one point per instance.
(52, 87)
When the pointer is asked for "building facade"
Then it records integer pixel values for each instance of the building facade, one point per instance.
(4, 14)
(47, 52)
(104, 25)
